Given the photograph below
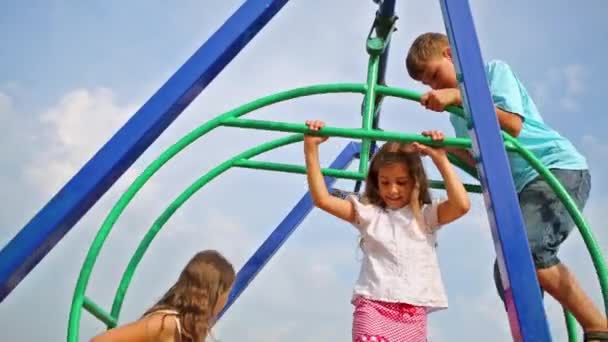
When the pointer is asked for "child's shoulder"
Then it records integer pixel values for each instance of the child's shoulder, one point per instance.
(162, 324)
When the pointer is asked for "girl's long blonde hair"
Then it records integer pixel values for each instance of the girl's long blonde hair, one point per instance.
(195, 294)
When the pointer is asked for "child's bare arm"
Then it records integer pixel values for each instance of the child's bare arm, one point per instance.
(437, 100)
(457, 203)
(318, 189)
(464, 154)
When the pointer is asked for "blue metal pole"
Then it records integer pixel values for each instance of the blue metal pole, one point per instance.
(283, 231)
(64, 210)
(523, 298)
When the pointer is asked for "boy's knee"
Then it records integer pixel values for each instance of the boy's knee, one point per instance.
(554, 277)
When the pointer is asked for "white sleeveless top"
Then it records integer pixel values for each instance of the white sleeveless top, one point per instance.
(173, 314)
(399, 256)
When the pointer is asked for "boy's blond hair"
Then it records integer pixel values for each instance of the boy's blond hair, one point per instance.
(424, 48)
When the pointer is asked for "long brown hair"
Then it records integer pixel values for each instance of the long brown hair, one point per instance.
(396, 152)
(194, 296)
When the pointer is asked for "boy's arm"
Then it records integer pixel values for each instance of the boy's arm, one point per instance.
(511, 123)
(318, 189)
(437, 100)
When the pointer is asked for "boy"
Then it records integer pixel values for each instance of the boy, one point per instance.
(429, 61)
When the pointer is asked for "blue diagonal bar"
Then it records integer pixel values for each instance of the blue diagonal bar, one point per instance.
(523, 298)
(283, 231)
(62, 212)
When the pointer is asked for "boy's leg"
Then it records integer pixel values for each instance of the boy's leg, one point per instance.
(548, 225)
(561, 284)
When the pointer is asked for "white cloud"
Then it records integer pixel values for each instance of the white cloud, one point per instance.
(6, 104)
(73, 130)
(567, 84)
(597, 149)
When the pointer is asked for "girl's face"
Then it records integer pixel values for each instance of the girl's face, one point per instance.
(395, 185)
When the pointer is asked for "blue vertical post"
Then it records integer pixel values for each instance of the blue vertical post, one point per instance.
(523, 298)
(283, 231)
(64, 210)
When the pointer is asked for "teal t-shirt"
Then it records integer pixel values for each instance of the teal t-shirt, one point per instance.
(553, 150)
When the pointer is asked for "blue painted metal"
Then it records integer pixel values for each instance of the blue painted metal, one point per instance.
(524, 304)
(283, 231)
(62, 212)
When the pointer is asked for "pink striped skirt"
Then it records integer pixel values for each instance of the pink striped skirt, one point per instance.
(379, 321)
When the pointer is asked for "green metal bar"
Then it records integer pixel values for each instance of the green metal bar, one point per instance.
(227, 119)
(368, 110)
(299, 169)
(98, 312)
(471, 171)
(357, 133)
(594, 249)
(474, 188)
(269, 166)
(179, 201)
(412, 96)
(571, 326)
(599, 262)
(125, 199)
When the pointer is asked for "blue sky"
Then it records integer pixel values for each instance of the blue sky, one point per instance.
(71, 74)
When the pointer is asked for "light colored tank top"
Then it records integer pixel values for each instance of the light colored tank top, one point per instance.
(173, 314)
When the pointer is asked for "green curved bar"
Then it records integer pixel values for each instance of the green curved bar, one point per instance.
(228, 118)
(179, 201)
(599, 262)
(594, 249)
(125, 199)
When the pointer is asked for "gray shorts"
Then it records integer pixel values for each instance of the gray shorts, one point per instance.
(547, 221)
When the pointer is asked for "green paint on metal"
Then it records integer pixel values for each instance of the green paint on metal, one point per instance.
(368, 109)
(231, 119)
(98, 312)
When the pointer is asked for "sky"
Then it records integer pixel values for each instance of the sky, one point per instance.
(71, 74)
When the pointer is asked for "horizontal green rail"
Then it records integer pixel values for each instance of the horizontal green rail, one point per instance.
(98, 312)
(180, 200)
(299, 169)
(355, 133)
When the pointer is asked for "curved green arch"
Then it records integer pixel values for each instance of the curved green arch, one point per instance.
(79, 299)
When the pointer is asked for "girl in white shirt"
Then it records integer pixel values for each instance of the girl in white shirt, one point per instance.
(399, 282)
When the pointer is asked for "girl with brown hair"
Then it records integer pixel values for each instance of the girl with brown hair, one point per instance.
(399, 281)
(186, 312)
